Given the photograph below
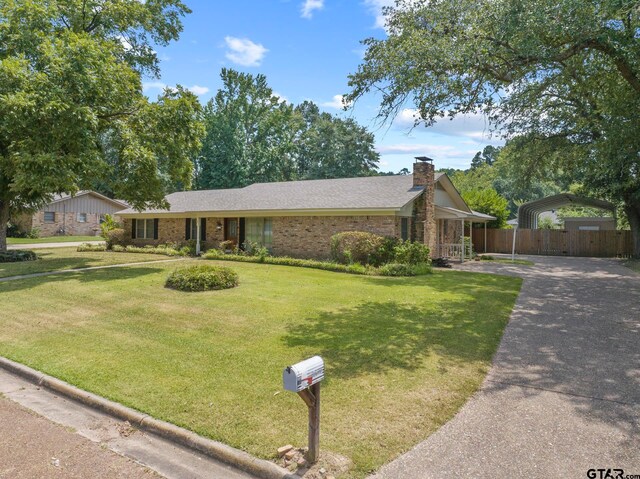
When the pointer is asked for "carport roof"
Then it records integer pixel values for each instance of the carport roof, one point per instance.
(528, 212)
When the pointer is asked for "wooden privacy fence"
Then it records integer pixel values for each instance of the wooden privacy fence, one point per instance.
(607, 244)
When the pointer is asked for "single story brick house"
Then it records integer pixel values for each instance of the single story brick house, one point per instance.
(298, 218)
(77, 215)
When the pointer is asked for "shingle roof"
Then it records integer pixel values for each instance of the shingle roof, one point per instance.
(366, 193)
(65, 196)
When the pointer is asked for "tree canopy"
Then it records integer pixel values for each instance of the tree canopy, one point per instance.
(72, 112)
(252, 135)
(561, 75)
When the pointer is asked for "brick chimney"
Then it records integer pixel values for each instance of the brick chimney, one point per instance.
(425, 228)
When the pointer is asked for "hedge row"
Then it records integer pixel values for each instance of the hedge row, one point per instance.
(356, 268)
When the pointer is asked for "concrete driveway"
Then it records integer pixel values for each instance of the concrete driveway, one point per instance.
(52, 245)
(563, 395)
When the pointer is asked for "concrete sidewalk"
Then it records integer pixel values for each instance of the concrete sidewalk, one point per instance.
(43, 435)
(563, 395)
(31, 447)
(52, 245)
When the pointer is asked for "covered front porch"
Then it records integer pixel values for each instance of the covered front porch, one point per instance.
(450, 226)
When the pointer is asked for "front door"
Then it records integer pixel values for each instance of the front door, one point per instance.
(231, 230)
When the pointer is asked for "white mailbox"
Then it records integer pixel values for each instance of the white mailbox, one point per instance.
(304, 374)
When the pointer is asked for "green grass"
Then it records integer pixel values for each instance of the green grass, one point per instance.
(634, 264)
(57, 259)
(53, 239)
(402, 354)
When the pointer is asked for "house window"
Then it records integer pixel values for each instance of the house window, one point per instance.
(145, 229)
(404, 229)
(82, 217)
(259, 230)
(49, 217)
(191, 229)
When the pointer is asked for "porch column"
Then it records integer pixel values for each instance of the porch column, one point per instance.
(470, 239)
(462, 241)
(485, 236)
(198, 222)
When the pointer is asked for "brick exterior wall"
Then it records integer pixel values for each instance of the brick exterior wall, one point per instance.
(67, 222)
(297, 236)
(310, 236)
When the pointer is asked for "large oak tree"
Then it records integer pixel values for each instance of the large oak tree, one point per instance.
(561, 75)
(72, 112)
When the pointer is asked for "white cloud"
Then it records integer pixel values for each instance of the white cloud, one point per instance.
(309, 6)
(244, 52)
(153, 85)
(337, 103)
(199, 90)
(375, 8)
(473, 126)
(445, 155)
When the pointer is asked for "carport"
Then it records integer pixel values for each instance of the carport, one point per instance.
(528, 213)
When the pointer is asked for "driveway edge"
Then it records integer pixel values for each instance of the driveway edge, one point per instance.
(217, 450)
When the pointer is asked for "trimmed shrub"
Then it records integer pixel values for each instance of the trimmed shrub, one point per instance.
(202, 278)
(411, 253)
(17, 256)
(227, 245)
(356, 247)
(396, 269)
(115, 237)
(386, 252)
(91, 247)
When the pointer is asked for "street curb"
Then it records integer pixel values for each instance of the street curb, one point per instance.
(217, 450)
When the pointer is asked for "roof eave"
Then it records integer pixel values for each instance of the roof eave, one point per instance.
(261, 213)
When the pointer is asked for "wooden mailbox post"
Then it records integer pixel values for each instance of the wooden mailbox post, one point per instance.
(304, 378)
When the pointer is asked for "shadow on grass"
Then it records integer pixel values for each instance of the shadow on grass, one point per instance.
(478, 284)
(44, 264)
(375, 336)
(90, 276)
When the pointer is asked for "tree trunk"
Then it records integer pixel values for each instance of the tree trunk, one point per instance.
(633, 214)
(4, 221)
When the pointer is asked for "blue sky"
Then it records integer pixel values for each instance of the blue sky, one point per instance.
(307, 49)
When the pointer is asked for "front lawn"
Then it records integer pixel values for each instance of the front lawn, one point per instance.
(633, 264)
(57, 259)
(402, 354)
(53, 239)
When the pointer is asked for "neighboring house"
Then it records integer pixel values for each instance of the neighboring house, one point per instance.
(78, 215)
(298, 218)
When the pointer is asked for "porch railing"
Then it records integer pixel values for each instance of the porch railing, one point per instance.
(449, 250)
